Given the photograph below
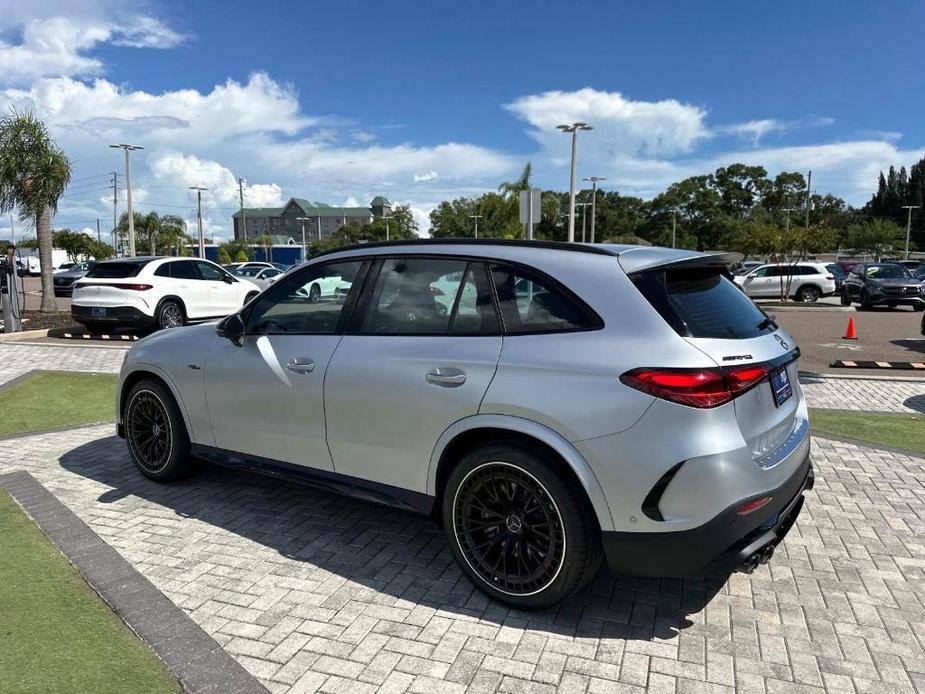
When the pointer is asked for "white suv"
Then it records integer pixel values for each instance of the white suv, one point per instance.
(806, 281)
(160, 292)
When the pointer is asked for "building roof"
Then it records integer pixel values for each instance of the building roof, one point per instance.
(380, 201)
(316, 209)
(260, 212)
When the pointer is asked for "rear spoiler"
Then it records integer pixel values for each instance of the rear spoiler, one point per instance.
(643, 258)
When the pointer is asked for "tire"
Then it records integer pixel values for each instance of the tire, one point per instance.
(865, 301)
(891, 304)
(556, 565)
(169, 314)
(97, 328)
(845, 300)
(809, 294)
(314, 294)
(249, 298)
(155, 434)
(918, 306)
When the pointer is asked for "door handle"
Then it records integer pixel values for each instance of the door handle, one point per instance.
(301, 365)
(446, 377)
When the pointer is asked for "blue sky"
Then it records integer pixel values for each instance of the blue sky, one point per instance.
(429, 100)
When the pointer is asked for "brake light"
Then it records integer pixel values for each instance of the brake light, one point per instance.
(830, 277)
(129, 287)
(702, 388)
(753, 505)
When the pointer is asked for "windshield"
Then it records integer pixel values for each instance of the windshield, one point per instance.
(888, 271)
(836, 270)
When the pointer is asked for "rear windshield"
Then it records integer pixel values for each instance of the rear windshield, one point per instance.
(116, 270)
(703, 303)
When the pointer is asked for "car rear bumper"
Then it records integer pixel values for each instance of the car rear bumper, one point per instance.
(717, 547)
(115, 315)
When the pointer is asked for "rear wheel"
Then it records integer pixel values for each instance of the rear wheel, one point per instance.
(845, 300)
(519, 528)
(250, 297)
(169, 315)
(809, 294)
(865, 301)
(314, 294)
(155, 433)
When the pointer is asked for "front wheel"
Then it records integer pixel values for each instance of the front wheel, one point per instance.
(845, 300)
(156, 436)
(314, 294)
(250, 297)
(865, 301)
(522, 532)
(918, 306)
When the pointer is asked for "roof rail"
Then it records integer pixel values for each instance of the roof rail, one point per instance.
(552, 245)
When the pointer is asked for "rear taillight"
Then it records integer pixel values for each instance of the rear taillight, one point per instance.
(129, 287)
(753, 505)
(696, 387)
(830, 277)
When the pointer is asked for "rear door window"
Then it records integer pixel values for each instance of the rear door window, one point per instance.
(184, 270)
(702, 303)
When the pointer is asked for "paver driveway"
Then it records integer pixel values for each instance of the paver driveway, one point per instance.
(314, 592)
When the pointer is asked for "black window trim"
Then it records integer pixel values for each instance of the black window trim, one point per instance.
(595, 322)
(349, 306)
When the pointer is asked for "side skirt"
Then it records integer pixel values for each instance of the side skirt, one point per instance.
(355, 487)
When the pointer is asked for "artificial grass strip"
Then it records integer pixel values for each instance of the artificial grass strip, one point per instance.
(56, 634)
(51, 400)
(898, 430)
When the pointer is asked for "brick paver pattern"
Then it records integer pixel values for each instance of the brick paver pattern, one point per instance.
(314, 592)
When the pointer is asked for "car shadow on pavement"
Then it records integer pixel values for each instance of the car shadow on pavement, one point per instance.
(911, 345)
(391, 551)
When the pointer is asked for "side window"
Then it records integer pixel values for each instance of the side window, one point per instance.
(417, 296)
(475, 308)
(531, 304)
(762, 272)
(210, 272)
(183, 270)
(309, 302)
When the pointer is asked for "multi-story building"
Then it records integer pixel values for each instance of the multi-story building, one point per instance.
(320, 219)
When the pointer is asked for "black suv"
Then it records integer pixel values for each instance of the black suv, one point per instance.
(882, 284)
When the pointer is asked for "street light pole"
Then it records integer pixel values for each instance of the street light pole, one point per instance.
(594, 180)
(909, 209)
(584, 218)
(319, 227)
(476, 217)
(386, 218)
(573, 129)
(128, 193)
(202, 244)
(302, 221)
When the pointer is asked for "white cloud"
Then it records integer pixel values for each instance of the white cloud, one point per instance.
(56, 46)
(423, 178)
(755, 130)
(182, 171)
(650, 128)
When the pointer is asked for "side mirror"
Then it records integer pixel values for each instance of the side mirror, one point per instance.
(228, 279)
(232, 328)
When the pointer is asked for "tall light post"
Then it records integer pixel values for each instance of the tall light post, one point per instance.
(573, 129)
(594, 180)
(319, 227)
(386, 217)
(476, 218)
(909, 209)
(128, 193)
(584, 218)
(202, 244)
(302, 221)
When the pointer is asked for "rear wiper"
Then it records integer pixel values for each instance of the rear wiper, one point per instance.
(767, 322)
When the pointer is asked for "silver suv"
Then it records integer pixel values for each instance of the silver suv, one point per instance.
(550, 404)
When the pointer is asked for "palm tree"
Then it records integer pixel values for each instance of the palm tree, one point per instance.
(510, 190)
(267, 243)
(34, 172)
(159, 233)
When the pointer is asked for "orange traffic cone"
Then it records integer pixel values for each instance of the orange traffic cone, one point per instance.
(850, 333)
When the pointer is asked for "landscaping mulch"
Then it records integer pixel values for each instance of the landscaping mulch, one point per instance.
(36, 320)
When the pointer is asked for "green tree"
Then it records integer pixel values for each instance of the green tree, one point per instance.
(75, 243)
(400, 224)
(100, 250)
(511, 190)
(34, 172)
(240, 257)
(451, 219)
(878, 237)
(160, 234)
(223, 257)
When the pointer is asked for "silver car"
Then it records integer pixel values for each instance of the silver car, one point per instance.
(560, 405)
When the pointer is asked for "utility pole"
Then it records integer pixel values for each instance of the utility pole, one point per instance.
(319, 227)
(202, 245)
(809, 188)
(12, 230)
(115, 204)
(573, 129)
(128, 193)
(98, 237)
(594, 180)
(674, 228)
(584, 218)
(476, 217)
(302, 220)
(243, 213)
(909, 209)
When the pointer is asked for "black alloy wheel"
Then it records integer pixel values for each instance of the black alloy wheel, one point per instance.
(148, 431)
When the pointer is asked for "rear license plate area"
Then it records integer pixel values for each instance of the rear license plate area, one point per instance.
(98, 312)
(781, 388)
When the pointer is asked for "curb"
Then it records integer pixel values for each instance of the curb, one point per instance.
(24, 335)
(195, 658)
(98, 338)
(887, 365)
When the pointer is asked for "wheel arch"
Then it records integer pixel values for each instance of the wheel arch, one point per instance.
(171, 297)
(481, 429)
(804, 285)
(154, 373)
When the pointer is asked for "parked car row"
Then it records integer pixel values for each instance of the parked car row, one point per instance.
(803, 281)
